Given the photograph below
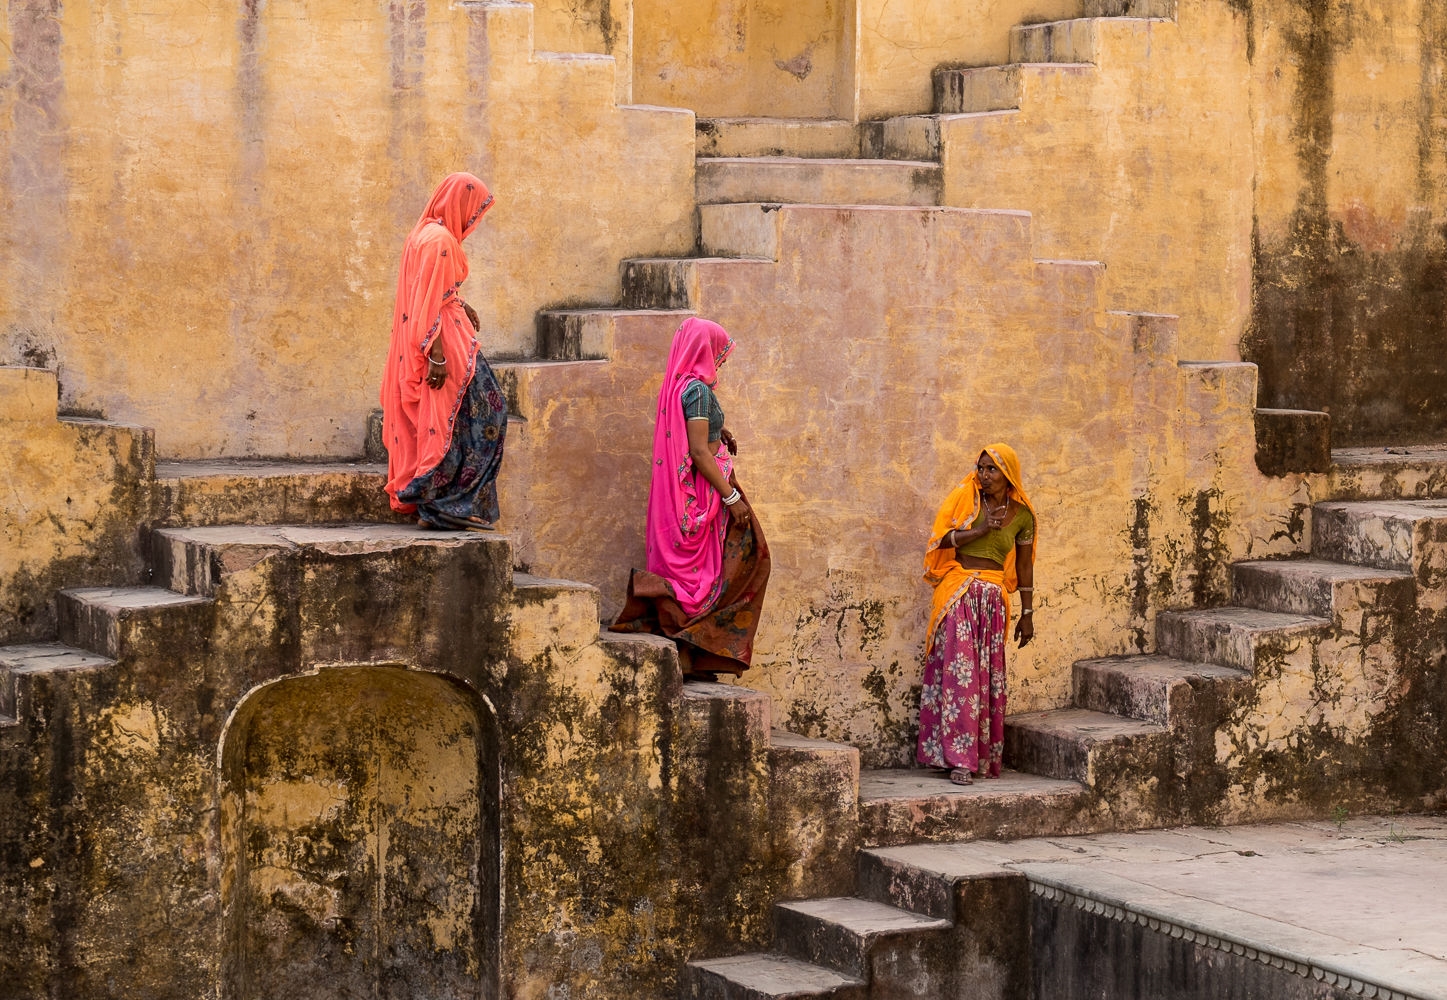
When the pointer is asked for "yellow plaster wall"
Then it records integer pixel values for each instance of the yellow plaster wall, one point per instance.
(901, 44)
(741, 58)
(1143, 161)
(74, 492)
(1377, 79)
(206, 208)
(858, 403)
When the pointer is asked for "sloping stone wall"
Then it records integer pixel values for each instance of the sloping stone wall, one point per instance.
(206, 208)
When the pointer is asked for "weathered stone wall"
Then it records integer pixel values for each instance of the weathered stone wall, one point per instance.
(205, 209)
(740, 58)
(76, 493)
(1143, 470)
(1132, 146)
(1350, 253)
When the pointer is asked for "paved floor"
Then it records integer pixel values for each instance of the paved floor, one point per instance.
(1365, 899)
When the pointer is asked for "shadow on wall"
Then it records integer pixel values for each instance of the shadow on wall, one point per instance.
(360, 837)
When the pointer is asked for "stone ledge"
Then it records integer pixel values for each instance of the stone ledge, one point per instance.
(1292, 441)
(1195, 933)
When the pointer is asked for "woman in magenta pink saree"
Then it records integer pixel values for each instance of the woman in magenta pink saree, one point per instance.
(708, 563)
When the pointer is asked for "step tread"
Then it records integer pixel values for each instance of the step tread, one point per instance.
(131, 598)
(1000, 67)
(526, 581)
(820, 161)
(1084, 723)
(1324, 569)
(1412, 510)
(262, 469)
(1370, 457)
(367, 536)
(776, 975)
(1248, 619)
(43, 657)
(862, 916)
(1107, 18)
(1165, 668)
(914, 784)
(793, 741)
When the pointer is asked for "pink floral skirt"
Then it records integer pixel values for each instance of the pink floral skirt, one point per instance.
(962, 703)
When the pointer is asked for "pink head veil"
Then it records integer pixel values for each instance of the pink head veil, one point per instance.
(682, 506)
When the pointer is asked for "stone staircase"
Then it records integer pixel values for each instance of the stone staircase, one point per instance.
(1191, 733)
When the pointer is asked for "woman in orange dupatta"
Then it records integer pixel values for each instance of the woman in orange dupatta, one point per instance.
(444, 417)
(981, 550)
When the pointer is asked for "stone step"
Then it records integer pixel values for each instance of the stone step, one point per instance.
(901, 806)
(1155, 689)
(1228, 636)
(1387, 534)
(813, 813)
(668, 284)
(547, 614)
(905, 137)
(923, 878)
(1314, 586)
(1061, 743)
(1417, 472)
(194, 560)
(590, 334)
(898, 953)
(1156, 9)
(262, 492)
(767, 977)
(1071, 41)
(804, 181)
(984, 89)
(822, 138)
(112, 621)
(21, 665)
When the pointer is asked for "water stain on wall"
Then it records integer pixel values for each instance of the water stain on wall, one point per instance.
(1348, 309)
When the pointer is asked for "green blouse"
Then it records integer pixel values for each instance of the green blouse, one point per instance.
(996, 545)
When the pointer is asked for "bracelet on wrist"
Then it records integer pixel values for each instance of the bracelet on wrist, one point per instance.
(1027, 611)
(732, 498)
(439, 364)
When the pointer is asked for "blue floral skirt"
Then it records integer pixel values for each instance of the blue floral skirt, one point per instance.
(462, 489)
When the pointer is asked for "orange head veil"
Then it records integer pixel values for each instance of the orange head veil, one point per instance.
(960, 508)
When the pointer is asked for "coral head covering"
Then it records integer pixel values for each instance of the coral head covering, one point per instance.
(417, 420)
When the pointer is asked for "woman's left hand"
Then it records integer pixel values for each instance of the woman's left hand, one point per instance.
(472, 317)
(1025, 629)
(729, 441)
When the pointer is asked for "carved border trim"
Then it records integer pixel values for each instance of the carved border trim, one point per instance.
(1306, 970)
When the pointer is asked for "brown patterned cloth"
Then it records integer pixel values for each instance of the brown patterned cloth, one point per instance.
(722, 638)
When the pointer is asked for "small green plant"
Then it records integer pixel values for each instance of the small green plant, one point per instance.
(1339, 816)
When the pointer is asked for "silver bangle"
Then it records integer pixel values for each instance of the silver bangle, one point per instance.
(1026, 590)
(732, 498)
(439, 364)
(1027, 611)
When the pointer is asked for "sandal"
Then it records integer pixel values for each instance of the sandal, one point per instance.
(962, 777)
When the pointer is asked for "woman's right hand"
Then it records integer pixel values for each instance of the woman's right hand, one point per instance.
(436, 374)
(740, 511)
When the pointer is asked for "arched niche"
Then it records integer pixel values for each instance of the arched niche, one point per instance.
(360, 838)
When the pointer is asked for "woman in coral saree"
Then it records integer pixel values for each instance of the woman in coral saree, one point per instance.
(444, 417)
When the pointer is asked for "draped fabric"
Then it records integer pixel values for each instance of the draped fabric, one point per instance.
(707, 571)
(686, 517)
(962, 696)
(418, 421)
(942, 570)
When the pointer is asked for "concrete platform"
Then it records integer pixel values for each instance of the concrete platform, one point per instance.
(1360, 907)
